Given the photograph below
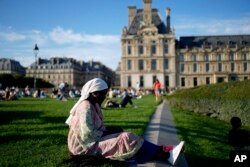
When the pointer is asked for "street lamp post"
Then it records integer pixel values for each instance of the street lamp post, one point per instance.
(35, 50)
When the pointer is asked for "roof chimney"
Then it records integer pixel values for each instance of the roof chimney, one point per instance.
(168, 10)
(147, 14)
(131, 15)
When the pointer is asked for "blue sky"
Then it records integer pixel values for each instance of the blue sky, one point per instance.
(91, 29)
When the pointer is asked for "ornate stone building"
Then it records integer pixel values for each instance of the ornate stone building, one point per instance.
(75, 73)
(212, 59)
(150, 51)
(56, 70)
(9, 66)
(93, 69)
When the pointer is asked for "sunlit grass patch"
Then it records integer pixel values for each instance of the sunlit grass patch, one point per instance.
(33, 131)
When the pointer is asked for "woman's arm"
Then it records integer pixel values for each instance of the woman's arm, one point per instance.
(87, 125)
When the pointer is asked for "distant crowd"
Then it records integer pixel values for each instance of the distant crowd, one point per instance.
(63, 92)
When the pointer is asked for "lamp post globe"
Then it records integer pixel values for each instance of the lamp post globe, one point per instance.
(35, 51)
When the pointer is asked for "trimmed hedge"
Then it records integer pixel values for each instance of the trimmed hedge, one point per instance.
(221, 101)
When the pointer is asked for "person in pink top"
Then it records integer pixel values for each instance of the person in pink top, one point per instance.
(89, 136)
(157, 88)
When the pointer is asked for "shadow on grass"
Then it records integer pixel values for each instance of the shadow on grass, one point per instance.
(188, 133)
(54, 119)
(163, 128)
(88, 160)
(140, 125)
(56, 138)
(9, 116)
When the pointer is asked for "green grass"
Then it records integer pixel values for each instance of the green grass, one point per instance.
(205, 138)
(33, 132)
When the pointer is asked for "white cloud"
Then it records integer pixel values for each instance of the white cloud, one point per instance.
(38, 37)
(12, 36)
(62, 36)
(101, 39)
(60, 42)
(109, 55)
(190, 26)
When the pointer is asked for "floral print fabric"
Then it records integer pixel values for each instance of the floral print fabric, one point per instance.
(85, 135)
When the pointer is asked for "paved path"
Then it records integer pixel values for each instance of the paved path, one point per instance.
(161, 130)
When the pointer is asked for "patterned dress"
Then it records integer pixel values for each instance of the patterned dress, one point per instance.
(85, 135)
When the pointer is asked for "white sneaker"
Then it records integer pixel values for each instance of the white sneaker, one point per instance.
(174, 154)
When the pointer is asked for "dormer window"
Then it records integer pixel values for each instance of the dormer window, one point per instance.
(243, 42)
(206, 44)
(219, 43)
(96, 66)
(231, 44)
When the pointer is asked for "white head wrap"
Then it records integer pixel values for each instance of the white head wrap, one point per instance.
(91, 86)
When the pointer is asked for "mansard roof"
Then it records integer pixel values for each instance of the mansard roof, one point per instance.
(93, 66)
(62, 62)
(214, 41)
(10, 64)
(58, 62)
(138, 20)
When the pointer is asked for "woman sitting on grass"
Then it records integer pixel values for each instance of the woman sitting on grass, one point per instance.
(89, 136)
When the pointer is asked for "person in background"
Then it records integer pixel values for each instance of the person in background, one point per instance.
(7, 93)
(42, 94)
(238, 137)
(88, 134)
(72, 93)
(62, 89)
(10, 94)
(37, 93)
(157, 88)
(27, 91)
(126, 98)
(110, 94)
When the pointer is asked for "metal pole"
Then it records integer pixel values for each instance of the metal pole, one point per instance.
(35, 50)
(35, 72)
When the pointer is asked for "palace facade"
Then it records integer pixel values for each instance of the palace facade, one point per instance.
(9, 66)
(150, 50)
(75, 73)
(212, 59)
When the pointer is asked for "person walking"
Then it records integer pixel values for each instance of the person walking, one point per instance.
(157, 88)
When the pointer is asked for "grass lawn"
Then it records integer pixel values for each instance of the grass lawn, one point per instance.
(33, 132)
(206, 139)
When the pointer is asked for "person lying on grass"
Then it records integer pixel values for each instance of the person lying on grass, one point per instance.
(89, 136)
(126, 98)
